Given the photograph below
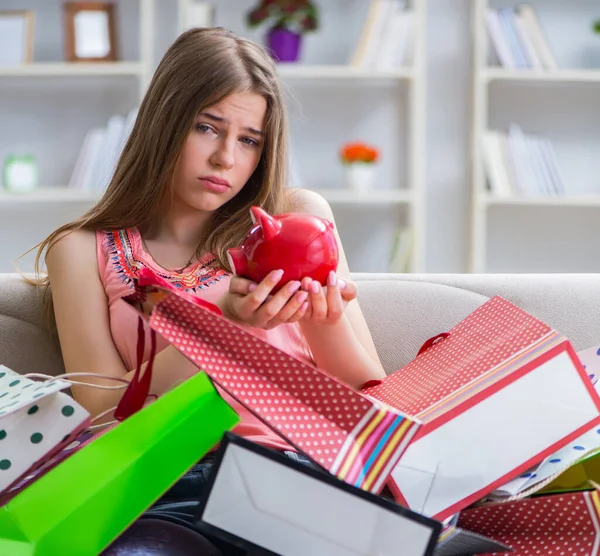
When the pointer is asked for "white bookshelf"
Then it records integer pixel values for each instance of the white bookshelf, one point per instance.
(538, 232)
(46, 195)
(544, 76)
(63, 69)
(48, 106)
(64, 194)
(329, 100)
(333, 72)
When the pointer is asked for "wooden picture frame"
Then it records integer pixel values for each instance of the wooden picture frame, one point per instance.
(90, 34)
(16, 37)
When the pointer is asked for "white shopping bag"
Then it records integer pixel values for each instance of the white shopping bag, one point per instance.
(260, 498)
(36, 421)
(556, 463)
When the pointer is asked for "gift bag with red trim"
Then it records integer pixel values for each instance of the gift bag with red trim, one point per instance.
(550, 525)
(496, 395)
(356, 439)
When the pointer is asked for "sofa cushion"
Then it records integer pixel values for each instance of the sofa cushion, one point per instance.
(26, 346)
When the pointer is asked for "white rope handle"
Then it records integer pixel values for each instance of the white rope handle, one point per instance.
(125, 384)
(99, 416)
(49, 378)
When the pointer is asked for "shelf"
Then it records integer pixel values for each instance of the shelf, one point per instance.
(48, 195)
(337, 196)
(542, 76)
(308, 72)
(62, 69)
(370, 197)
(550, 201)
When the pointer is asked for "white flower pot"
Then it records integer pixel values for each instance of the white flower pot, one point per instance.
(360, 176)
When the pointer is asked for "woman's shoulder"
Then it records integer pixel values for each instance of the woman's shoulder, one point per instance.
(72, 256)
(77, 244)
(309, 201)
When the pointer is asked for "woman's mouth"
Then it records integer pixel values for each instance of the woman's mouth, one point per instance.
(214, 184)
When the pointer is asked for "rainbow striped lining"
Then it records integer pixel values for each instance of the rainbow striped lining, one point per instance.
(373, 448)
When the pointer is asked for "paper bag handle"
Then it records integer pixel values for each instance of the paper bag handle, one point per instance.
(138, 390)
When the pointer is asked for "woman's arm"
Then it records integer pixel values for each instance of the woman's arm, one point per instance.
(82, 319)
(345, 349)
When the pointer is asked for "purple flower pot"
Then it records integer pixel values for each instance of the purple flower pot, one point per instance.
(284, 44)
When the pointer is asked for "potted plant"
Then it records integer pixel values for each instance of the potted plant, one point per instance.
(360, 162)
(288, 20)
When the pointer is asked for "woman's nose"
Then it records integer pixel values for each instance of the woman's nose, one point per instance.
(224, 156)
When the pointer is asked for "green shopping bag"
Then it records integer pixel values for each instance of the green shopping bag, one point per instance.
(83, 504)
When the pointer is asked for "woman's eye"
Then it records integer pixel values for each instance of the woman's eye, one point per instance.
(249, 141)
(203, 128)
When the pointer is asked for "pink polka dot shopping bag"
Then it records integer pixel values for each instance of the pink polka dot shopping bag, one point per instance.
(357, 439)
(550, 525)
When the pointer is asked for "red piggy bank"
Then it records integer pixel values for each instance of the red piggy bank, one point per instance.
(299, 244)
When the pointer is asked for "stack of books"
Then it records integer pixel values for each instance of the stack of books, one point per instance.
(516, 163)
(386, 39)
(518, 39)
(100, 153)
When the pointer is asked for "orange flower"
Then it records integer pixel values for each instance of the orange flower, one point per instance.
(359, 152)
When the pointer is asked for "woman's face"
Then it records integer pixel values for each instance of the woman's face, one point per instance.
(221, 152)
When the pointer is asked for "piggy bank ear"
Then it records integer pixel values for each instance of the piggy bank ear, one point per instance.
(270, 227)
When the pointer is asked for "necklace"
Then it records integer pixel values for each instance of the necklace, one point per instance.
(180, 270)
(176, 270)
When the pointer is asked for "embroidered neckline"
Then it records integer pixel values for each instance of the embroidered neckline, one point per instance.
(127, 255)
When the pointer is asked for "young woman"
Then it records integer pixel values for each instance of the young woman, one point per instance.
(208, 143)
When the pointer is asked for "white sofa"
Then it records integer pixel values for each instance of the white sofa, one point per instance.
(402, 311)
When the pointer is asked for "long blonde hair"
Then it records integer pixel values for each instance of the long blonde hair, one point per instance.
(200, 69)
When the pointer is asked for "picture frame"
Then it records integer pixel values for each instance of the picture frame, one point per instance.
(16, 37)
(90, 34)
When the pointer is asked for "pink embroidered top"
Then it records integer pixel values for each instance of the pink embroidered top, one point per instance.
(121, 254)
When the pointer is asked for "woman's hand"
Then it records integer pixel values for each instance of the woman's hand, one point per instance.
(254, 304)
(327, 304)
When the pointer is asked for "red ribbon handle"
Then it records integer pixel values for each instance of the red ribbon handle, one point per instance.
(138, 390)
(432, 341)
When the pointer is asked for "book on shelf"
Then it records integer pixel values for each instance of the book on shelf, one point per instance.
(518, 39)
(195, 13)
(401, 251)
(100, 152)
(386, 38)
(516, 163)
